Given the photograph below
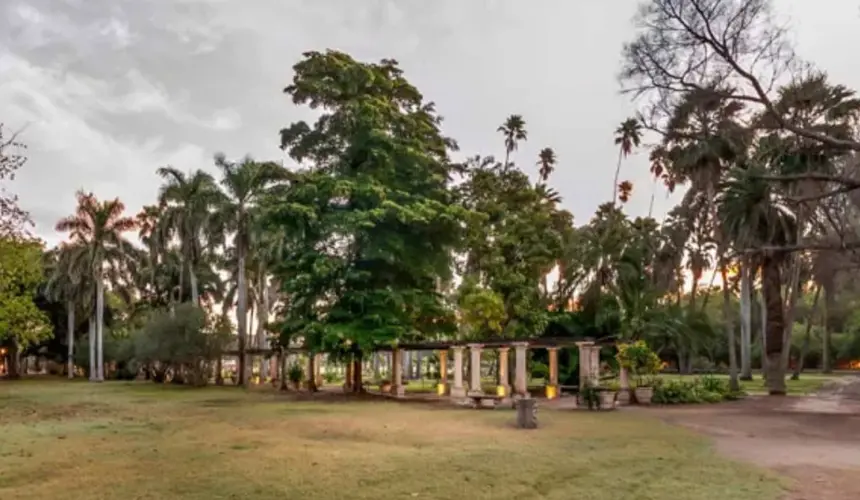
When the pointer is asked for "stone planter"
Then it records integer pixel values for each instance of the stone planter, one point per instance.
(644, 395)
(607, 400)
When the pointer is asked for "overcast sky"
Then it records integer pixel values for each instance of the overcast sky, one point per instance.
(109, 90)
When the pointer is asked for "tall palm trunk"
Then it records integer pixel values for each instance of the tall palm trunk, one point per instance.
(615, 179)
(730, 329)
(195, 292)
(92, 341)
(242, 317)
(653, 193)
(262, 319)
(70, 326)
(775, 330)
(100, 323)
(746, 321)
(798, 367)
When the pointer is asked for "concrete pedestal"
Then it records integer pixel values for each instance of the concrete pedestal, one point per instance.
(526, 413)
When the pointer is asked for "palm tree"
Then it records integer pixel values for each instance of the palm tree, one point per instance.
(243, 183)
(188, 201)
(546, 162)
(753, 215)
(66, 284)
(514, 130)
(98, 229)
(627, 136)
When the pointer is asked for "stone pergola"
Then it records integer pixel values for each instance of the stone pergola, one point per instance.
(454, 385)
(457, 388)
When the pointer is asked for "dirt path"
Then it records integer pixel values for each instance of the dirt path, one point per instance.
(814, 440)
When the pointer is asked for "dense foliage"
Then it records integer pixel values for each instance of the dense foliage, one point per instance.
(380, 232)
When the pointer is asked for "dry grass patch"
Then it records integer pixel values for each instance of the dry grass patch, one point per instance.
(162, 442)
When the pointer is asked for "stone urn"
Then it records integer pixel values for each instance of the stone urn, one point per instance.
(607, 400)
(644, 395)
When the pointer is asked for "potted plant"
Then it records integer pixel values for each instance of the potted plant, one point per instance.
(644, 390)
(608, 395)
(295, 375)
(643, 363)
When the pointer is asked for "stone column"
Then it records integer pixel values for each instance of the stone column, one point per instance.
(521, 383)
(457, 390)
(318, 360)
(595, 363)
(552, 384)
(442, 388)
(504, 377)
(475, 368)
(585, 371)
(397, 387)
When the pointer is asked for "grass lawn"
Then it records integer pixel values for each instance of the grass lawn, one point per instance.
(76, 440)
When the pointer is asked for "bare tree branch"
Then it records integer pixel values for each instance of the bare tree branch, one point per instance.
(684, 45)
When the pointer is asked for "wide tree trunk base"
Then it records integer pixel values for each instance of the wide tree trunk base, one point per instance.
(775, 375)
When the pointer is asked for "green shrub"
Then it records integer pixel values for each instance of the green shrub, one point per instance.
(705, 389)
(295, 374)
(711, 383)
(640, 360)
(673, 392)
(330, 377)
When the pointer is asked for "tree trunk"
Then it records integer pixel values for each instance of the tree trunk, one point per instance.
(615, 179)
(91, 339)
(356, 374)
(219, 369)
(793, 294)
(100, 325)
(775, 330)
(653, 192)
(195, 292)
(283, 369)
(70, 325)
(242, 318)
(181, 281)
(798, 367)
(262, 319)
(763, 336)
(730, 329)
(311, 379)
(746, 321)
(829, 305)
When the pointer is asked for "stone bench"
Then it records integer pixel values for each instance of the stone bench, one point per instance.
(487, 401)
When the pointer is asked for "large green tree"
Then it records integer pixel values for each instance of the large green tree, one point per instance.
(372, 220)
(21, 322)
